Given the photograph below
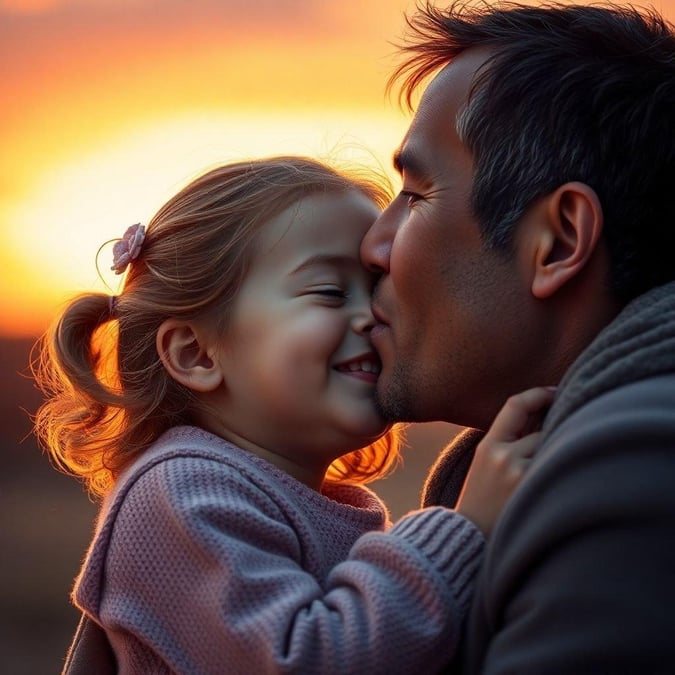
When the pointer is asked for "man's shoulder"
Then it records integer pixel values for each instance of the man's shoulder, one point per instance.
(616, 450)
(633, 407)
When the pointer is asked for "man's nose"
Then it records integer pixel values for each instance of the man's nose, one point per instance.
(376, 245)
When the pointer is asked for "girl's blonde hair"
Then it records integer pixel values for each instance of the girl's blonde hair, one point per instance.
(108, 396)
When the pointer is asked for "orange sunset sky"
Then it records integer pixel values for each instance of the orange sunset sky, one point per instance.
(109, 106)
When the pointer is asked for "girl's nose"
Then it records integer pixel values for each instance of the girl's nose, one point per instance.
(363, 321)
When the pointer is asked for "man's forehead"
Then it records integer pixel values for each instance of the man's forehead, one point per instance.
(436, 118)
(450, 87)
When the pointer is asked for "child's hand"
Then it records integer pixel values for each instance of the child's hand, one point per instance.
(502, 457)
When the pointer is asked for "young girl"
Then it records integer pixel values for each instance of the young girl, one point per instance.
(223, 404)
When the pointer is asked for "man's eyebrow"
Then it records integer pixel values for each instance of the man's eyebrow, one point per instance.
(325, 260)
(406, 160)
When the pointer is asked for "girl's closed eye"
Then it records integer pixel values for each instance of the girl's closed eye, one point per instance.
(333, 292)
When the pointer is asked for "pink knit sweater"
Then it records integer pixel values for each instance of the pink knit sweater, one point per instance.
(209, 560)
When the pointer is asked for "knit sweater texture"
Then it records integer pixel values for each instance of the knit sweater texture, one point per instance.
(209, 560)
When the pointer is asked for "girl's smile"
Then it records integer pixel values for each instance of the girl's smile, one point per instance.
(366, 367)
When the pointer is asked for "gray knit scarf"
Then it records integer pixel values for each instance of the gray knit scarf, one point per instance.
(638, 344)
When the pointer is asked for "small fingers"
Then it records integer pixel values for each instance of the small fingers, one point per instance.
(524, 448)
(522, 414)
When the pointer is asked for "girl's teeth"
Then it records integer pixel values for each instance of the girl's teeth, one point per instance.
(365, 366)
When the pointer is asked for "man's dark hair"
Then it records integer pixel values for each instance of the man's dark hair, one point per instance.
(570, 93)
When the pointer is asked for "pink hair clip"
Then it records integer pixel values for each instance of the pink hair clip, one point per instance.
(127, 248)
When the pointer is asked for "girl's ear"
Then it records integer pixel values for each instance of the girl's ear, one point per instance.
(567, 238)
(186, 356)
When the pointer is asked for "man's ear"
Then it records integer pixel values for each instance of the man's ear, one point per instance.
(567, 238)
(184, 351)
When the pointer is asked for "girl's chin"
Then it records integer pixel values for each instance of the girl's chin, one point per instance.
(372, 434)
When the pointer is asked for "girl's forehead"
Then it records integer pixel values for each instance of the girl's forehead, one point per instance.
(320, 221)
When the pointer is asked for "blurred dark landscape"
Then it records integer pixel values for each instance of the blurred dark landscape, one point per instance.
(45, 522)
(46, 519)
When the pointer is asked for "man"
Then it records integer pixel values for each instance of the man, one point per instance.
(532, 243)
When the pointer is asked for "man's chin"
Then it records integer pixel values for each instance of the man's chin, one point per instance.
(392, 405)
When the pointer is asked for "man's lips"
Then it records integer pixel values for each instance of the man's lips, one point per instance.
(376, 334)
(379, 330)
(378, 315)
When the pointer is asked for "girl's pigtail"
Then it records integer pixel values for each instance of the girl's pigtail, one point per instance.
(76, 369)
